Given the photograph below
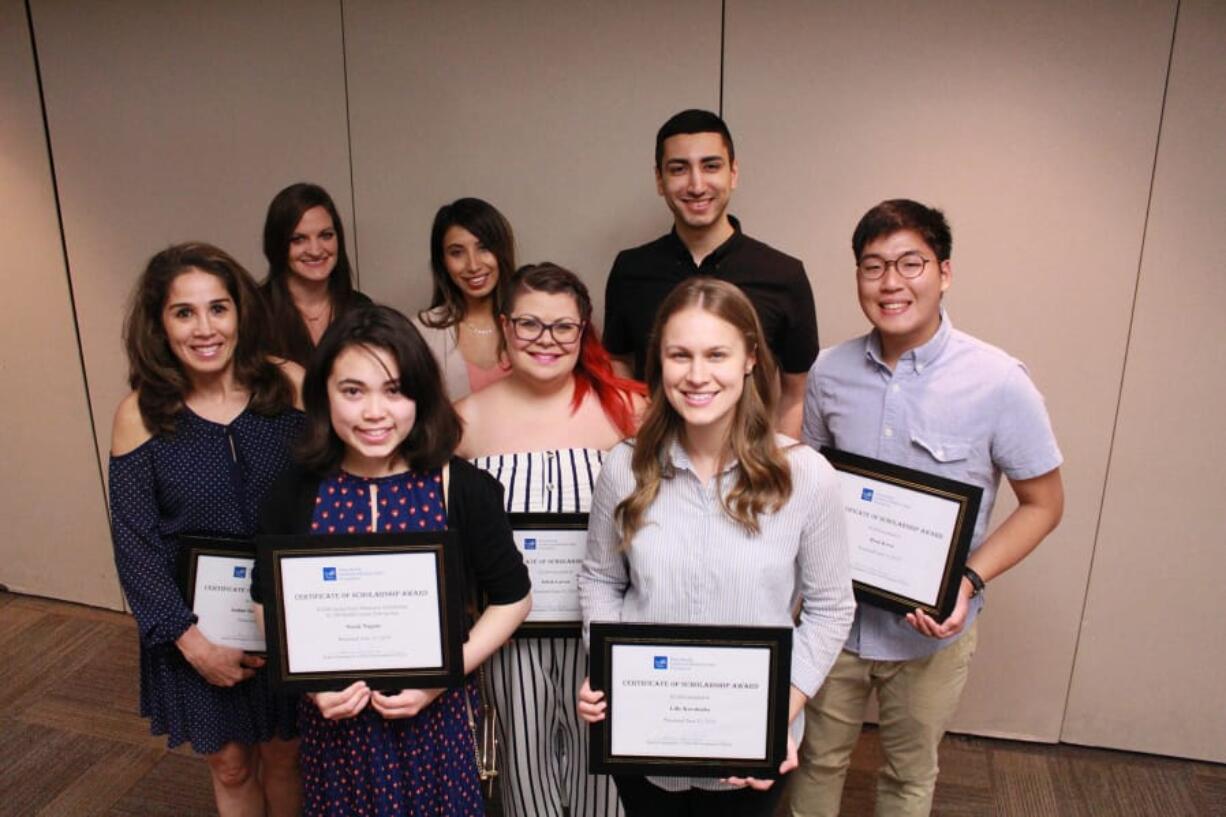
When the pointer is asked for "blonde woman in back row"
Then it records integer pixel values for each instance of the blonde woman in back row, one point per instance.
(543, 432)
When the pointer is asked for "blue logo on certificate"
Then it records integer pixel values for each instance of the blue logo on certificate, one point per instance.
(529, 544)
(240, 572)
(866, 494)
(329, 574)
(661, 662)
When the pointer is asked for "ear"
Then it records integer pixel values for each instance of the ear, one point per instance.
(659, 181)
(735, 170)
(751, 360)
(947, 274)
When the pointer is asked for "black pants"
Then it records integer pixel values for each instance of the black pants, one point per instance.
(641, 798)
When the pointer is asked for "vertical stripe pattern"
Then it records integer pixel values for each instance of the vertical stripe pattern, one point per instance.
(544, 757)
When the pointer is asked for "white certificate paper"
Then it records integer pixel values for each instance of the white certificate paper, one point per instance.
(221, 600)
(900, 539)
(553, 558)
(685, 701)
(358, 612)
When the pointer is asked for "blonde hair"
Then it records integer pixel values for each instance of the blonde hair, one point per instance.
(764, 479)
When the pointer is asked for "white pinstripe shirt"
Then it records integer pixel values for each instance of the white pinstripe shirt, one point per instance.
(691, 563)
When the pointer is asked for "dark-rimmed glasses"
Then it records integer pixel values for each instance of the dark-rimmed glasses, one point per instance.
(909, 265)
(528, 329)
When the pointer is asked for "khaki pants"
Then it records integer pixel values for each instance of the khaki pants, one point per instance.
(916, 699)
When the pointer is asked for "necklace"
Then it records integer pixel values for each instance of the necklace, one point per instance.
(324, 312)
(476, 330)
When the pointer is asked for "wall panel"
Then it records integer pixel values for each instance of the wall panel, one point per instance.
(55, 525)
(1034, 127)
(547, 109)
(1150, 664)
(174, 121)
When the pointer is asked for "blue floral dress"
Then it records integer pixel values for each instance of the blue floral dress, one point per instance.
(204, 478)
(368, 765)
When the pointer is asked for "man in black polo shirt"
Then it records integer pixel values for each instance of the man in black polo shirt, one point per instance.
(696, 172)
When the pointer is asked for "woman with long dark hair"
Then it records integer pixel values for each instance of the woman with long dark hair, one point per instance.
(195, 446)
(310, 282)
(472, 254)
(543, 432)
(710, 517)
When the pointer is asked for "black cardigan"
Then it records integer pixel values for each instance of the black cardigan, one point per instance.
(493, 567)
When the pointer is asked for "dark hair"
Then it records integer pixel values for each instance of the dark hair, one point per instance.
(593, 369)
(764, 479)
(157, 375)
(491, 228)
(436, 428)
(893, 215)
(693, 120)
(290, 333)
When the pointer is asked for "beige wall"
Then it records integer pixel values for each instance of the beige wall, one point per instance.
(553, 122)
(51, 497)
(176, 121)
(1035, 127)
(1149, 672)
(1036, 135)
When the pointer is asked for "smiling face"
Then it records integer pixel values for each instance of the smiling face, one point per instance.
(703, 366)
(369, 413)
(905, 311)
(472, 266)
(543, 359)
(200, 319)
(696, 178)
(313, 246)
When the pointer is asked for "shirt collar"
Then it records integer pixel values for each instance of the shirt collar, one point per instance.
(717, 254)
(921, 357)
(676, 459)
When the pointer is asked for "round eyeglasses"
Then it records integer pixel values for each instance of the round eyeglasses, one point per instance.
(909, 265)
(528, 329)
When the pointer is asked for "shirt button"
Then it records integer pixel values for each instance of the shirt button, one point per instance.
(919, 367)
(889, 432)
(895, 388)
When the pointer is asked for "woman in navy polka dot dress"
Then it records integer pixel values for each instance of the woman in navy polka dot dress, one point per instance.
(194, 449)
(380, 436)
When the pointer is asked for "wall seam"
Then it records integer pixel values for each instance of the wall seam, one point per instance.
(1119, 399)
(72, 297)
(353, 190)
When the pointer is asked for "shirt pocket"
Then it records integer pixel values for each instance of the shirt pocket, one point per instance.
(941, 454)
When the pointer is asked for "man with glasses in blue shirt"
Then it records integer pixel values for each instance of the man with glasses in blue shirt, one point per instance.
(918, 393)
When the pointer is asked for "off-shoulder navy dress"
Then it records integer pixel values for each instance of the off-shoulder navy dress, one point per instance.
(205, 478)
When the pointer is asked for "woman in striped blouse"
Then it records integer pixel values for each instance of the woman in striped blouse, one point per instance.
(709, 517)
(543, 432)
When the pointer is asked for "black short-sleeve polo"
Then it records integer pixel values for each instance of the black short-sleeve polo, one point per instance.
(775, 282)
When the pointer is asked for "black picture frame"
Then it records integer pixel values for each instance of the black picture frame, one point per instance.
(570, 628)
(442, 545)
(778, 640)
(967, 498)
(191, 546)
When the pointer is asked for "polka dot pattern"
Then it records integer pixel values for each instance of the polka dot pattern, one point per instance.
(406, 767)
(205, 478)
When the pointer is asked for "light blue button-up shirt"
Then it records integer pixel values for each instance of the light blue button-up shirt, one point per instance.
(956, 407)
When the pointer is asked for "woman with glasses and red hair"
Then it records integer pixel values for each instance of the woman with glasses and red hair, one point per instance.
(543, 432)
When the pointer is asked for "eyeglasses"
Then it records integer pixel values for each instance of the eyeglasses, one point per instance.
(529, 329)
(909, 265)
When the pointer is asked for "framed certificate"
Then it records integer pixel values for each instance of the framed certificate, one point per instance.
(382, 608)
(553, 546)
(214, 575)
(909, 533)
(688, 700)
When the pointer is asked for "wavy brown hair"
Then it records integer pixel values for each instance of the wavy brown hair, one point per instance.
(436, 426)
(763, 479)
(157, 376)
